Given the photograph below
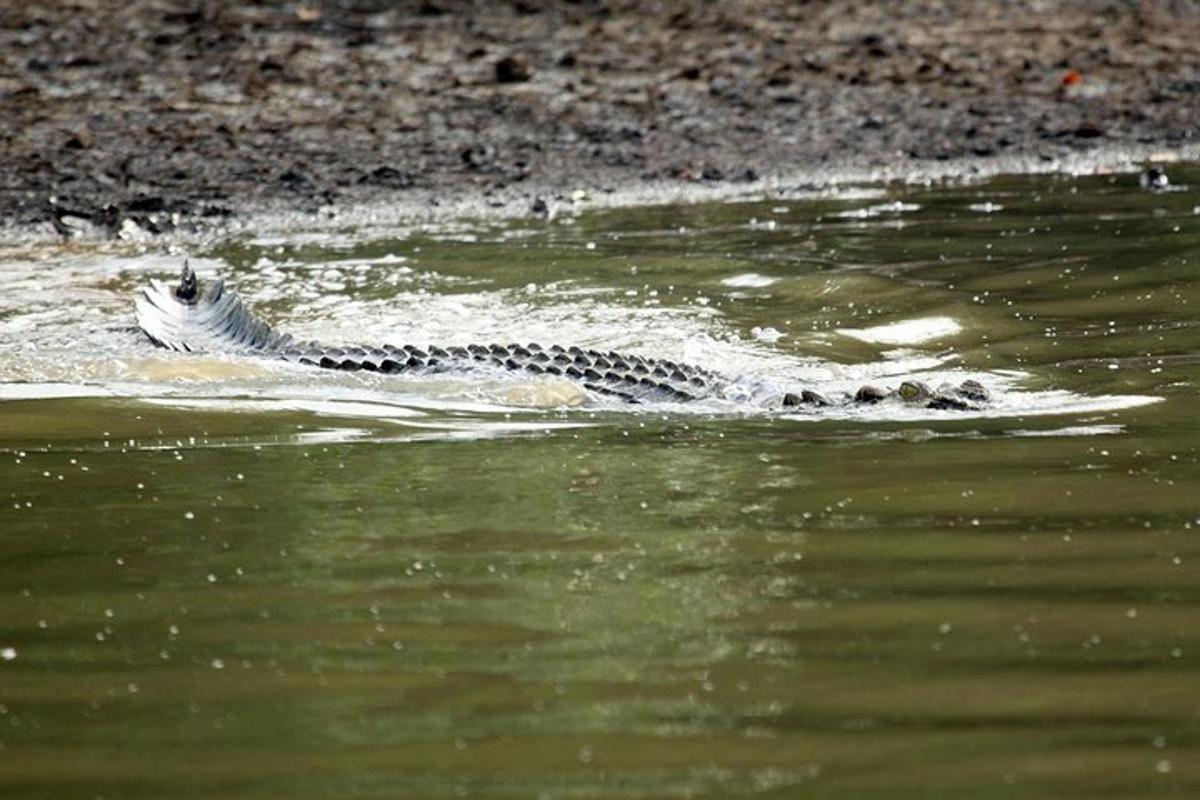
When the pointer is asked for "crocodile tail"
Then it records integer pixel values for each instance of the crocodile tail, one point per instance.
(192, 318)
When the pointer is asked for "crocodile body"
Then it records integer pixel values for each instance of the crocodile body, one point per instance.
(192, 318)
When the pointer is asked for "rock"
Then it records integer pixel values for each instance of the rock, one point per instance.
(512, 69)
(292, 175)
(148, 204)
(388, 176)
(1154, 180)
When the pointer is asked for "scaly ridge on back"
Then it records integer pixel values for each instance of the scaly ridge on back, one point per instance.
(191, 318)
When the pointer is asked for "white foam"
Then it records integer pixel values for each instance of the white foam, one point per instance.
(908, 332)
(749, 280)
(879, 210)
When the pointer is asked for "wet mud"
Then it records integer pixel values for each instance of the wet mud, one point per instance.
(144, 117)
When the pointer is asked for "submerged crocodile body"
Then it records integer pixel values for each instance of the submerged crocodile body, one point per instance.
(191, 318)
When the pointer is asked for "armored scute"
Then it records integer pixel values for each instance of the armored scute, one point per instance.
(191, 318)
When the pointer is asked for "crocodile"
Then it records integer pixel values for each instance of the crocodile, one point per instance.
(192, 317)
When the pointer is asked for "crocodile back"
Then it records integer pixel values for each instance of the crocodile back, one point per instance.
(191, 318)
(628, 377)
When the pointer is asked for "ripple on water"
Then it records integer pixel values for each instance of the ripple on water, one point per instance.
(70, 324)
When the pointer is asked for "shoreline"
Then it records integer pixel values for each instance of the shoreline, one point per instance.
(796, 184)
(166, 122)
(269, 218)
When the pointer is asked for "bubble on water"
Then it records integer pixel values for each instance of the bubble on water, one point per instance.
(189, 515)
(217, 663)
(1162, 766)
(8, 653)
(768, 334)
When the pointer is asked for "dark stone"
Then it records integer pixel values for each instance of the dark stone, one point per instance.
(388, 176)
(293, 176)
(512, 69)
(1154, 180)
(146, 203)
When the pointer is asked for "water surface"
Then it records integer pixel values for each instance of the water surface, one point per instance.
(224, 578)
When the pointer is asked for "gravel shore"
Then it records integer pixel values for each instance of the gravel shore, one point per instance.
(152, 115)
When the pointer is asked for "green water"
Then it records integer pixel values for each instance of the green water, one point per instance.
(299, 586)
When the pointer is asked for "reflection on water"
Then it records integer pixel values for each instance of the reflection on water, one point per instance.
(224, 578)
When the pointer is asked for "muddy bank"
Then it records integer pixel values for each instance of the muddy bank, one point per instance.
(150, 115)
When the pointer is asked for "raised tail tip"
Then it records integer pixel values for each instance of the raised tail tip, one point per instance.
(189, 288)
